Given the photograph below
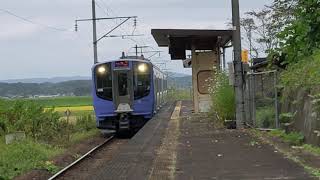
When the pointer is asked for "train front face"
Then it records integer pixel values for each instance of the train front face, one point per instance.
(122, 94)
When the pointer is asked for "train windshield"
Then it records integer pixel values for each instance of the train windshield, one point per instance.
(141, 80)
(123, 83)
(104, 81)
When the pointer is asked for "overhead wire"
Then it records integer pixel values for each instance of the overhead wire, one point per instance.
(34, 22)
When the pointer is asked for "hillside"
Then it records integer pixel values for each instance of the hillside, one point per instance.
(73, 87)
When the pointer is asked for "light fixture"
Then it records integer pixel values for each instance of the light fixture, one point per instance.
(142, 68)
(101, 70)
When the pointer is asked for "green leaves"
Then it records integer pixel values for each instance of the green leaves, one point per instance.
(223, 97)
(301, 37)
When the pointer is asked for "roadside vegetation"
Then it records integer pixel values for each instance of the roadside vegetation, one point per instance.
(288, 31)
(47, 132)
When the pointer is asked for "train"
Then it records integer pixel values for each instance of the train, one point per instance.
(127, 92)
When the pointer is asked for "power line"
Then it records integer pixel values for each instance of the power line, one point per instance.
(33, 22)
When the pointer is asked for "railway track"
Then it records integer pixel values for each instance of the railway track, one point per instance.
(70, 166)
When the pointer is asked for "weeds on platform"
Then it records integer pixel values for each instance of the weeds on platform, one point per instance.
(223, 97)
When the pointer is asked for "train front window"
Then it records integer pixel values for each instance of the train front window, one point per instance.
(104, 81)
(141, 80)
(123, 83)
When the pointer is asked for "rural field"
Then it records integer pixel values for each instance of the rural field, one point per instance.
(48, 131)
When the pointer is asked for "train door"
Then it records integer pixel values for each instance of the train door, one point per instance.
(123, 90)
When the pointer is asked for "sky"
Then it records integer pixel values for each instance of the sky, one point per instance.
(44, 44)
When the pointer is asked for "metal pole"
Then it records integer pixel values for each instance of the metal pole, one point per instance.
(240, 114)
(254, 100)
(224, 59)
(136, 50)
(276, 99)
(94, 24)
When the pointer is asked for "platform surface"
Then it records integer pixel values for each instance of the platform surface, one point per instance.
(190, 147)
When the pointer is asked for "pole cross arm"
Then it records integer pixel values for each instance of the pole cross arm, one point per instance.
(113, 29)
(107, 18)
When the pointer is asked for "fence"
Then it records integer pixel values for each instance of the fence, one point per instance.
(261, 99)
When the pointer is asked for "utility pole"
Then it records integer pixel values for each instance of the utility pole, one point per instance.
(238, 68)
(136, 47)
(94, 20)
(94, 24)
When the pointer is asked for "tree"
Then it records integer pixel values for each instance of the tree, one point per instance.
(301, 37)
(248, 26)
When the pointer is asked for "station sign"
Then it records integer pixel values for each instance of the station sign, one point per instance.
(245, 56)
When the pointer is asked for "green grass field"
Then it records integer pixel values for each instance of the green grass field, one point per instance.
(65, 101)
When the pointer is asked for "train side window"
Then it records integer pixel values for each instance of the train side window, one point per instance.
(104, 81)
(141, 80)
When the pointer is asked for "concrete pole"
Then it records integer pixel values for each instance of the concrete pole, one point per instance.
(94, 24)
(240, 113)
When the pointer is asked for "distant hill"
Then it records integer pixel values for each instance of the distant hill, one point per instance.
(64, 79)
(64, 86)
(76, 87)
(46, 80)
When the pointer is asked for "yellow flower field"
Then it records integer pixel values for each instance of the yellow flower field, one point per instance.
(75, 108)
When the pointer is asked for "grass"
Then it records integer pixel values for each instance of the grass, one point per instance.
(312, 149)
(179, 94)
(293, 138)
(22, 156)
(265, 117)
(223, 98)
(69, 101)
(79, 136)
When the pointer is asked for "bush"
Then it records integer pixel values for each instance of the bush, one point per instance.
(34, 120)
(223, 97)
(304, 74)
(286, 117)
(265, 117)
(85, 122)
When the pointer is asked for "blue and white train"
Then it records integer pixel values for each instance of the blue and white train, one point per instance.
(127, 92)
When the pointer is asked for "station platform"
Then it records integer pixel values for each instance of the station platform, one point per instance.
(177, 144)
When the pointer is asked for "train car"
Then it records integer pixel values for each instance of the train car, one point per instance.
(127, 92)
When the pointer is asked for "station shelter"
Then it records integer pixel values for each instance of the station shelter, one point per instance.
(207, 49)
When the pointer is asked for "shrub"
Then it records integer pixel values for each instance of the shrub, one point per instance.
(304, 74)
(265, 117)
(34, 120)
(286, 117)
(294, 138)
(223, 97)
(85, 122)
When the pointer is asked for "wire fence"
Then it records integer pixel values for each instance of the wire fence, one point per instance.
(261, 99)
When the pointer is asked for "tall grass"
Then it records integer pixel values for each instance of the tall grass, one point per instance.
(47, 135)
(223, 97)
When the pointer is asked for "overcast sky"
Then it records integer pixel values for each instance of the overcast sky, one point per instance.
(48, 46)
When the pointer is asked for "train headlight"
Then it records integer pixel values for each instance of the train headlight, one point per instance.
(142, 68)
(101, 70)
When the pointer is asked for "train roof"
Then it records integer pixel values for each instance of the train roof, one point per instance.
(130, 58)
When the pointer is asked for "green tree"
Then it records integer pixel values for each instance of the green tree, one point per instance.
(302, 36)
